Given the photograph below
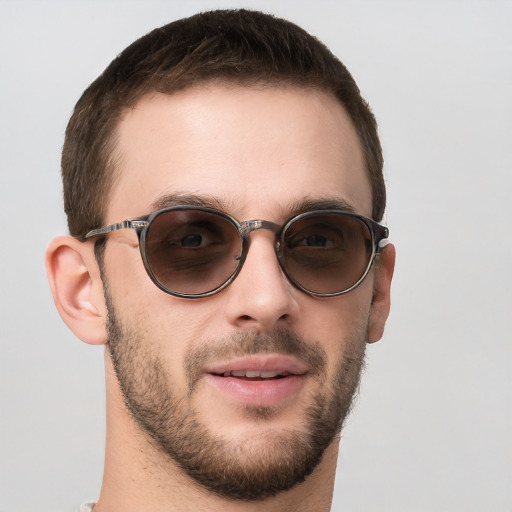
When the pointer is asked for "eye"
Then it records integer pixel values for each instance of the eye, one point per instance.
(194, 235)
(315, 237)
(192, 240)
(316, 240)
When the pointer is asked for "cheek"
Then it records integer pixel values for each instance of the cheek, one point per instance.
(168, 326)
(337, 323)
(125, 270)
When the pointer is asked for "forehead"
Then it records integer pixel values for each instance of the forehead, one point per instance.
(254, 150)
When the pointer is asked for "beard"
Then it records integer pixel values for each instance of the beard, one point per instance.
(247, 469)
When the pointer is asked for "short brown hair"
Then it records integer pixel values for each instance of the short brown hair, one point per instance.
(235, 46)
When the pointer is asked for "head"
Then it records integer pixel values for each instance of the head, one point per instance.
(244, 390)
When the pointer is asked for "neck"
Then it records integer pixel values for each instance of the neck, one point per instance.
(138, 477)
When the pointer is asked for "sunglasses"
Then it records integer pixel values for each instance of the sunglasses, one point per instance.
(195, 251)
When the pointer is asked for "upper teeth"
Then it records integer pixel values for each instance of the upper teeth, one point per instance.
(251, 373)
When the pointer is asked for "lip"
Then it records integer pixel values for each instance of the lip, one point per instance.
(260, 362)
(255, 392)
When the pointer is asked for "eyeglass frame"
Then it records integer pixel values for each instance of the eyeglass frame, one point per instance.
(379, 239)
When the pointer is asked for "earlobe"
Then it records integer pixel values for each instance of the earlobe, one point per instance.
(77, 289)
(381, 300)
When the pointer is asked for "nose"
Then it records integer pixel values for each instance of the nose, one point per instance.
(261, 298)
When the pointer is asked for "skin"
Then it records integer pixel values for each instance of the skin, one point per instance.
(256, 153)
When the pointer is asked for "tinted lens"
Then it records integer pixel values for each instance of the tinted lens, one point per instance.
(326, 253)
(192, 251)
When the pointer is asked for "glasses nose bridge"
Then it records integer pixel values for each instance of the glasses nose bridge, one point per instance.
(247, 226)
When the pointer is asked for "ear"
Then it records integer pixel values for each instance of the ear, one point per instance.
(77, 289)
(379, 310)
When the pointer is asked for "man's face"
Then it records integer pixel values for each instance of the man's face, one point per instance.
(246, 389)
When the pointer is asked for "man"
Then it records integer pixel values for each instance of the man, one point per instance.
(223, 186)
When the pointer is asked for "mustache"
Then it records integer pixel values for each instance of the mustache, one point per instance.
(242, 344)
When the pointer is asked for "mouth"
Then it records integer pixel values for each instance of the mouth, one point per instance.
(263, 380)
(254, 376)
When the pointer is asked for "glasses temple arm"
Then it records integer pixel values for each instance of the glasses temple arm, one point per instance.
(126, 224)
(382, 234)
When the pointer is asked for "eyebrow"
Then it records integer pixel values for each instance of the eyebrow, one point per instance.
(168, 200)
(327, 203)
(209, 201)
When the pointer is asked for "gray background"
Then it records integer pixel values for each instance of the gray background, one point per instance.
(432, 427)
